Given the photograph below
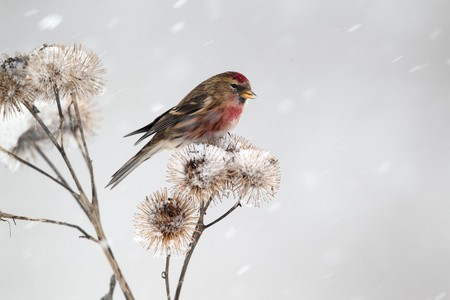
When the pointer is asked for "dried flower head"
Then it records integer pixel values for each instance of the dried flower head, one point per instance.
(232, 143)
(14, 89)
(69, 69)
(256, 175)
(165, 224)
(14, 65)
(198, 171)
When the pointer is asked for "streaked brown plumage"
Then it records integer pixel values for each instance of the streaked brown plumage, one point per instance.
(207, 113)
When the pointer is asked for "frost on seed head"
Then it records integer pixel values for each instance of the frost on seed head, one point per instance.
(199, 171)
(255, 176)
(232, 143)
(14, 89)
(165, 224)
(69, 69)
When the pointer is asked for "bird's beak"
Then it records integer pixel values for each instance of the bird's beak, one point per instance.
(248, 94)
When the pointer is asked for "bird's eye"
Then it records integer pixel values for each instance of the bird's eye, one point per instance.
(234, 86)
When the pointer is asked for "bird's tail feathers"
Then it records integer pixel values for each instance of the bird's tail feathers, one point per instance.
(132, 164)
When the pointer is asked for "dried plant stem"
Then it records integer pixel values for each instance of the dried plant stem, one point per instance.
(165, 275)
(236, 205)
(77, 140)
(94, 213)
(86, 151)
(39, 170)
(195, 238)
(90, 208)
(16, 217)
(47, 61)
(100, 241)
(48, 161)
(61, 178)
(34, 111)
(61, 115)
(110, 256)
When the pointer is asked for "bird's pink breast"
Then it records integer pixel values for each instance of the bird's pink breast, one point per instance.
(233, 113)
(216, 124)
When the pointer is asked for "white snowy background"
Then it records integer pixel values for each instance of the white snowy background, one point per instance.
(353, 98)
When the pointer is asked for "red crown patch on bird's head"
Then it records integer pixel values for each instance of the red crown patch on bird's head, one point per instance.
(240, 78)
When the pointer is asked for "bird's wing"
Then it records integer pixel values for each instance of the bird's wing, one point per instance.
(172, 116)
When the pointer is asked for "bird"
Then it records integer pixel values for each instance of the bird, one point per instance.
(208, 112)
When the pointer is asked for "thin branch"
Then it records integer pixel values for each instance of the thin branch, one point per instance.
(48, 161)
(195, 238)
(110, 256)
(44, 156)
(165, 275)
(34, 111)
(79, 145)
(112, 285)
(9, 224)
(75, 135)
(236, 205)
(89, 209)
(61, 115)
(61, 183)
(40, 171)
(16, 217)
(86, 151)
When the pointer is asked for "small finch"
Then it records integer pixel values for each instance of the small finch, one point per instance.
(208, 112)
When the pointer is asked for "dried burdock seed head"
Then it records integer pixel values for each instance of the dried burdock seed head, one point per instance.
(14, 65)
(14, 90)
(255, 176)
(232, 143)
(12, 95)
(88, 70)
(69, 69)
(198, 171)
(165, 224)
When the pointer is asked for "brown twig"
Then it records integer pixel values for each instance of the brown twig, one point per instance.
(34, 111)
(47, 160)
(89, 208)
(38, 169)
(9, 224)
(75, 135)
(196, 237)
(94, 213)
(236, 205)
(61, 115)
(16, 217)
(86, 151)
(199, 228)
(110, 257)
(165, 275)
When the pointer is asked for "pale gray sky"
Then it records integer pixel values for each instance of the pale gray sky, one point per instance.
(353, 99)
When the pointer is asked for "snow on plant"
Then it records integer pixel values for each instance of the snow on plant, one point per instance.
(46, 102)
